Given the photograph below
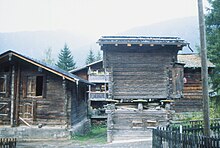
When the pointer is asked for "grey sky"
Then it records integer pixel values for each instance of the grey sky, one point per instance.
(92, 17)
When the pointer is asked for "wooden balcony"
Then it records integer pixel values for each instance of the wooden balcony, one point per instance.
(98, 95)
(98, 78)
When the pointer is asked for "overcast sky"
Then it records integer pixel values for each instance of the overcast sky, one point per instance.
(93, 17)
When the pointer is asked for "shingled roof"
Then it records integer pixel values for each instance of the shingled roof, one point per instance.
(141, 40)
(53, 69)
(192, 60)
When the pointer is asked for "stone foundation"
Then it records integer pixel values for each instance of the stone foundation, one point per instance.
(34, 133)
(25, 133)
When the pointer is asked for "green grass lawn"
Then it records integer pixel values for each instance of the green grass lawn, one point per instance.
(96, 135)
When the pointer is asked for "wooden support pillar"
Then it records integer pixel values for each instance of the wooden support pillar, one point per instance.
(12, 95)
(109, 110)
(17, 96)
(105, 84)
(65, 102)
(140, 106)
(89, 111)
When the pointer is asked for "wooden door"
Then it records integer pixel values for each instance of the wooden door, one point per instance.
(27, 110)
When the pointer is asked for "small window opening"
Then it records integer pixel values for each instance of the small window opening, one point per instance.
(35, 86)
(3, 84)
(39, 86)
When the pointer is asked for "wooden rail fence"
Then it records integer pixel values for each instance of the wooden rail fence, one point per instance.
(8, 142)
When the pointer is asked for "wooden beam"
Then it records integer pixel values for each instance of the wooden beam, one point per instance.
(24, 122)
(17, 95)
(12, 94)
(65, 102)
(44, 67)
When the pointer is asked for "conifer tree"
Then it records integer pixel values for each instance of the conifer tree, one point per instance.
(48, 57)
(65, 59)
(90, 58)
(213, 40)
(98, 57)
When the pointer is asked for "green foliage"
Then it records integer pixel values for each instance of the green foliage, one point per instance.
(96, 135)
(66, 61)
(91, 57)
(48, 57)
(213, 40)
(98, 57)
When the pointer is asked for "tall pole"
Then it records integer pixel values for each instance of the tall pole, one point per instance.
(204, 69)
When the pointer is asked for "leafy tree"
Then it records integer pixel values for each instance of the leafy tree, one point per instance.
(91, 57)
(213, 40)
(48, 57)
(98, 57)
(65, 59)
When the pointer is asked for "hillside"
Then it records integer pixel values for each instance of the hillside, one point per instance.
(34, 43)
(186, 28)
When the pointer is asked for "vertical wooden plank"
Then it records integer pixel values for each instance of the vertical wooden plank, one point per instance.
(34, 110)
(24, 86)
(65, 101)
(17, 96)
(12, 95)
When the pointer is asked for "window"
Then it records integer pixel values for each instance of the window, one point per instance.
(3, 84)
(35, 85)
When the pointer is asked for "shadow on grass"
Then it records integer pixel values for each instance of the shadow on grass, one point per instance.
(97, 135)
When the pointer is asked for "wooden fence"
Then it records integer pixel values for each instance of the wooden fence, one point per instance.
(196, 127)
(8, 142)
(169, 138)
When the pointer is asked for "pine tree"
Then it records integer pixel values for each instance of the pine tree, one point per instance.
(48, 57)
(65, 59)
(213, 40)
(98, 57)
(90, 58)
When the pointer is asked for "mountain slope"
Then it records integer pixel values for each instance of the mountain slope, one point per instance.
(186, 28)
(34, 43)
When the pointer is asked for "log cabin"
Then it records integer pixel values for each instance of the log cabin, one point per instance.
(143, 68)
(35, 93)
(192, 90)
(144, 72)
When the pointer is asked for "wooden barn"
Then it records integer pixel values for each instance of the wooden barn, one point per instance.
(143, 67)
(34, 93)
(192, 90)
(143, 74)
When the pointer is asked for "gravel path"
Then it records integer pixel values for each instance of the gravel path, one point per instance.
(73, 144)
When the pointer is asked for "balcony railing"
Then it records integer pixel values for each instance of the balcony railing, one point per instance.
(98, 95)
(98, 78)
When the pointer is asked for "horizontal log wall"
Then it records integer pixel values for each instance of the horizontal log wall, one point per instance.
(50, 108)
(132, 124)
(139, 72)
(192, 92)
